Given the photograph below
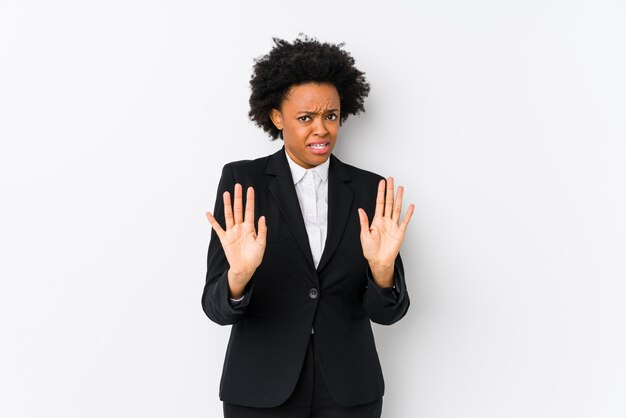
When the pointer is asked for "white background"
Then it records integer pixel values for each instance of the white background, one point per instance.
(504, 120)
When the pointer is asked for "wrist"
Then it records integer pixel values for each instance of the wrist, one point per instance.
(237, 282)
(383, 275)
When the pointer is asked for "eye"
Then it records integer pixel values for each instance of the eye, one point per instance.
(331, 116)
(304, 118)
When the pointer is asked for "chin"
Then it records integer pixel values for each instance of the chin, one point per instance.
(319, 160)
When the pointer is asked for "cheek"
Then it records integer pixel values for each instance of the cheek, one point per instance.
(300, 132)
(297, 136)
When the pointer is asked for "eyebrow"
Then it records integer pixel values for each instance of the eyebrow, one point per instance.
(308, 112)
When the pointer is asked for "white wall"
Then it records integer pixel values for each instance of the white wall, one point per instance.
(504, 120)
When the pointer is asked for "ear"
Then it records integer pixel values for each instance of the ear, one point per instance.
(277, 119)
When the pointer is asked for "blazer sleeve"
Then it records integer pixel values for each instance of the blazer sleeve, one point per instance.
(216, 301)
(386, 306)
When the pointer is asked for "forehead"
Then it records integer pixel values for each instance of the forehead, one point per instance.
(312, 96)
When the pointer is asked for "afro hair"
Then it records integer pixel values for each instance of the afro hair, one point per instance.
(305, 60)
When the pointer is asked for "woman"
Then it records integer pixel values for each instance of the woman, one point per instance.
(296, 267)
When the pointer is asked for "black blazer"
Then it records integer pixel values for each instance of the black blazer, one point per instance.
(287, 296)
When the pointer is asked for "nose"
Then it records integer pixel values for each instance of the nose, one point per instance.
(319, 127)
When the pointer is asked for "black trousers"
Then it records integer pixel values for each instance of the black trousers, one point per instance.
(310, 399)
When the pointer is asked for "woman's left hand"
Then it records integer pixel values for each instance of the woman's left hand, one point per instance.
(381, 241)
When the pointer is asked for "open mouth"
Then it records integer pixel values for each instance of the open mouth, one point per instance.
(320, 148)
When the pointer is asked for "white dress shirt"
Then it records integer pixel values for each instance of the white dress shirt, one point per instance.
(312, 190)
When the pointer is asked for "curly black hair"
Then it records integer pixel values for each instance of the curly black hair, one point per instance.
(304, 60)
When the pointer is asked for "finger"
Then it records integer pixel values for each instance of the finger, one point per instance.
(407, 217)
(215, 225)
(238, 205)
(389, 197)
(365, 224)
(397, 206)
(228, 211)
(380, 199)
(249, 217)
(262, 230)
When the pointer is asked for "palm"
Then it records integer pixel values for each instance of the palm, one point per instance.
(242, 246)
(382, 242)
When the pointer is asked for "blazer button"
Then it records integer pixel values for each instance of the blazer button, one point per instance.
(313, 293)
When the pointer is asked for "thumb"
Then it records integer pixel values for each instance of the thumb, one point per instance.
(262, 230)
(365, 225)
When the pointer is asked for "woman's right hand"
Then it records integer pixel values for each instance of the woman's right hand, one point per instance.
(243, 247)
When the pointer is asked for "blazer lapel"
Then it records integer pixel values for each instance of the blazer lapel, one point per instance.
(284, 192)
(340, 198)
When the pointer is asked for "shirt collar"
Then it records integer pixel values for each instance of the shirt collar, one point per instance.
(297, 172)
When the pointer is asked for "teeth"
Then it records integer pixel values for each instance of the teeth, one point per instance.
(318, 145)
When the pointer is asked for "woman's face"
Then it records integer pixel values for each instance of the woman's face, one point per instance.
(309, 121)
